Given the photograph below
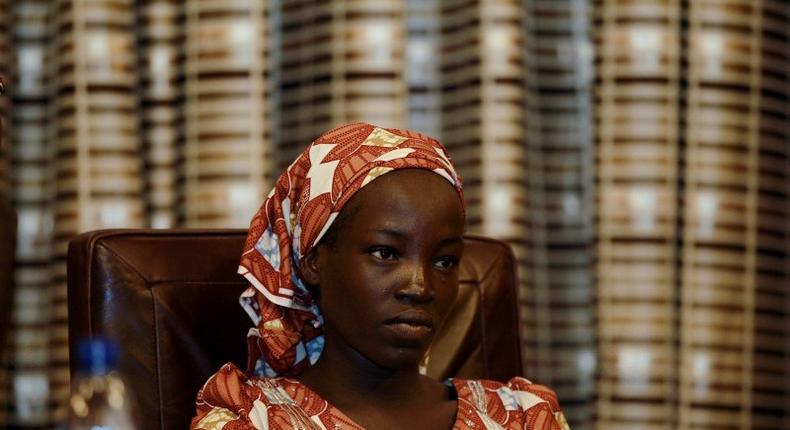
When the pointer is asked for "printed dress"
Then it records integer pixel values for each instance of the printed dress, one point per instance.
(230, 401)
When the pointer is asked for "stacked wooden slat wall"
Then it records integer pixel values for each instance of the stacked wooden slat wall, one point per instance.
(784, 37)
(5, 191)
(482, 120)
(159, 37)
(561, 157)
(368, 62)
(32, 195)
(306, 75)
(422, 66)
(5, 60)
(227, 151)
(98, 180)
(734, 316)
(638, 88)
(342, 61)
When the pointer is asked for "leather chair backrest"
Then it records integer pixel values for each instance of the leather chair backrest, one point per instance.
(170, 297)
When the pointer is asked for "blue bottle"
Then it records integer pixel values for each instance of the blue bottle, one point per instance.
(99, 398)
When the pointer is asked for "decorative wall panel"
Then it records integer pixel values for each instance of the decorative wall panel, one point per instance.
(638, 51)
(5, 60)
(422, 66)
(227, 152)
(482, 120)
(307, 75)
(98, 181)
(560, 142)
(342, 61)
(32, 193)
(735, 218)
(5, 190)
(159, 47)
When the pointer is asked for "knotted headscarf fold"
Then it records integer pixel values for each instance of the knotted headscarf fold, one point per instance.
(306, 199)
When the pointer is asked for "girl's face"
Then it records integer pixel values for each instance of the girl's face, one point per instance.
(389, 278)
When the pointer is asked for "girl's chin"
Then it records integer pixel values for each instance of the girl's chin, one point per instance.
(401, 359)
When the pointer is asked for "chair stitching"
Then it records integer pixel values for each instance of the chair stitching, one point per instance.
(126, 263)
(483, 278)
(155, 324)
(491, 268)
(484, 338)
(156, 359)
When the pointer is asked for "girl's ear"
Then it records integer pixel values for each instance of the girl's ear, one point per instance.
(308, 267)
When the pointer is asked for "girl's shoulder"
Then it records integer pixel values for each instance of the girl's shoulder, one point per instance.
(516, 399)
(231, 399)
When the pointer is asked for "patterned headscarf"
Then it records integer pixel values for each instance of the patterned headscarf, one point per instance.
(306, 199)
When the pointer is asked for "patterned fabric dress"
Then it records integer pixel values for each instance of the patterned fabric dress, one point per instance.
(231, 401)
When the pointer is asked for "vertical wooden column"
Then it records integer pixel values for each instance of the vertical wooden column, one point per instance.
(785, 40)
(227, 152)
(422, 66)
(31, 150)
(5, 60)
(306, 75)
(5, 57)
(5, 343)
(734, 327)
(159, 36)
(560, 141)
(368, 63)
(482, 99)
(341, 62)
(638, 50)
(97, 150)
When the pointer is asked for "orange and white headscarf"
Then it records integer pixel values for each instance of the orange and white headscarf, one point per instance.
(306, 199)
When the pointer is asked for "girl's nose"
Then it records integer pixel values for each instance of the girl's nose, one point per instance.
(417, 289)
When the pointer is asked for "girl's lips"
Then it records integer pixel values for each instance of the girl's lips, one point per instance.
(416, 333)
(413, 317)
(413, 326)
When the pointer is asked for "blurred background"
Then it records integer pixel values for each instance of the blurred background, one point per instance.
(635, 153)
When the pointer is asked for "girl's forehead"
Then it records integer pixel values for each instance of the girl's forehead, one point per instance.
(402, 192)
(409, 185)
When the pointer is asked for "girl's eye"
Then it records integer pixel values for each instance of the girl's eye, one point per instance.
(446, 263)
(383, 253)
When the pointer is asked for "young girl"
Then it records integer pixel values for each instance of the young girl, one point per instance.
(353, 260)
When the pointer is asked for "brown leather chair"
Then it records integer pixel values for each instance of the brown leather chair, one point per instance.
(7, 246)
(171, 299)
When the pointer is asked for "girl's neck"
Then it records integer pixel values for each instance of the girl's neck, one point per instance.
(344, 377)
(378, 397)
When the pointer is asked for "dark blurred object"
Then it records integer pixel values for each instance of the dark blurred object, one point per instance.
(7, 246)
(170, 298)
